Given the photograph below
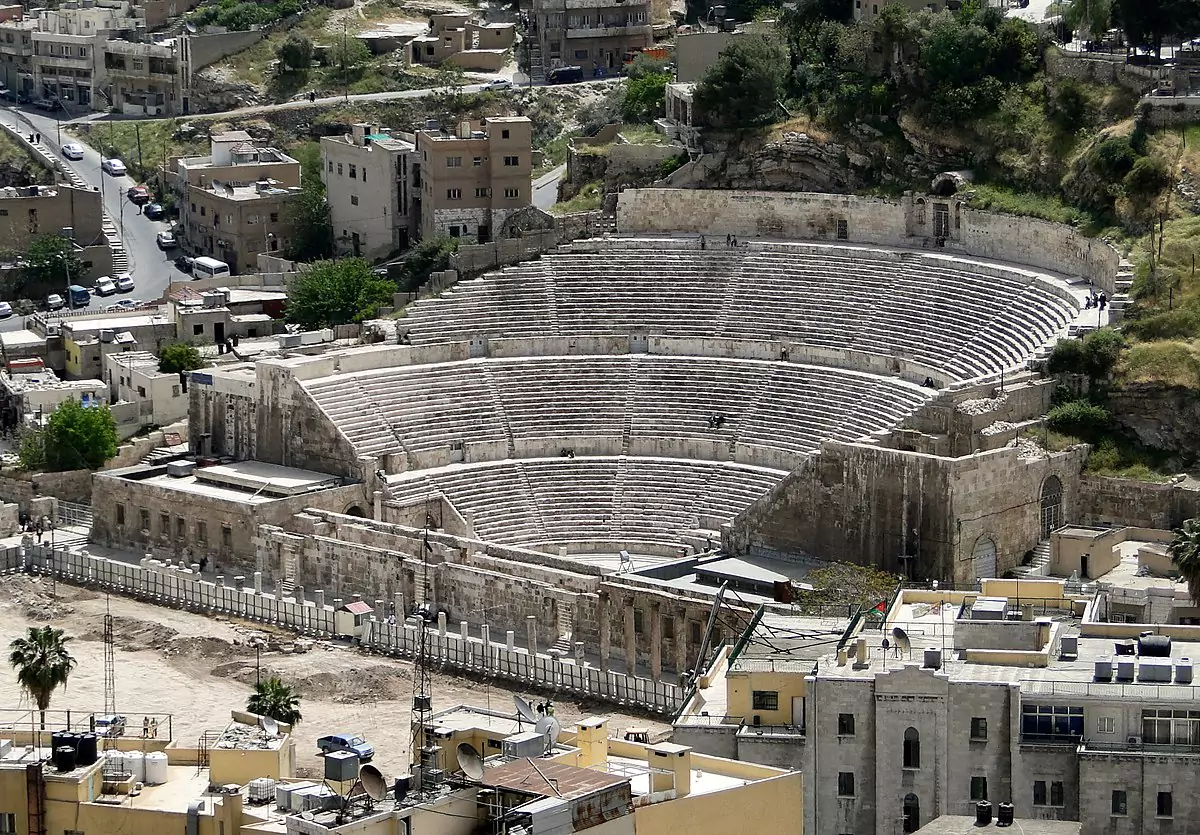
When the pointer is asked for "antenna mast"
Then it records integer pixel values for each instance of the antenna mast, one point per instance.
(110, 673)
(422, 699)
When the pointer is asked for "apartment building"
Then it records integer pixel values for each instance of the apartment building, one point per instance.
(595, 35)
(455, 38)
(133, 377)
(370, 188)
(231, 202)
(68, 45)
(145, 78)
(472, 180)
(16, 49)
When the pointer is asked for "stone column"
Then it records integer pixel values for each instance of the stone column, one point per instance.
(605, 630)
(463, 628)
(681, 658)
(398, 605)
(630, 639)
(531, 633)
(319, 598)
(510, 640)
(655, 641)
(258, 582)
(441, 624)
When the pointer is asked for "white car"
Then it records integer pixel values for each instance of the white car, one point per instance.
(166, 240)
(72, 150)
(5, 310)
(114, 167)
(498, 84)
(123, 306)
(105, 286)
(124, 283)
(55, 302)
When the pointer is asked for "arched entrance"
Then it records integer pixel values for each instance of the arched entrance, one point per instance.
(912, 813)
(355, 510)
(983, 557)
(1051, 506)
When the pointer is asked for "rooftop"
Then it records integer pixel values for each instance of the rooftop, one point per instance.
(965, 825)
(114, 322)
(246, 482)
(44, 379)
(239, 736)
(139, 360)
(550, 779)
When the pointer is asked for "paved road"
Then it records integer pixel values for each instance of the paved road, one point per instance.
(152, 268)
(545, 188)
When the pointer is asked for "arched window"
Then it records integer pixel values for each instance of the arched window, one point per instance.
(912, 813)
(912, 748)
(1051, 505)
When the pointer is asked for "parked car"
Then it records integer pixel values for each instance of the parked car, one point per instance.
(565, 75)
(154, 211)
(55, 302)
(105, 286)
(122, 306)
(346, 742)
(498, 84)
(166, 240)
(5, 310)
(124, 283)
(110, 725)
(49, 105)
(14, 96)
(184, 263)
(138, 195)
(114, 167)
(72, 150)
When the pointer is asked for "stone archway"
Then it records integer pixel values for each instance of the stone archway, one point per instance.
(355, 510)
(912, 813)
(1050, 506)
(983, 558)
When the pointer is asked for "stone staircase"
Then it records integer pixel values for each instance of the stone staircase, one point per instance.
(163, 454)
(537, 72)
(1040, 566)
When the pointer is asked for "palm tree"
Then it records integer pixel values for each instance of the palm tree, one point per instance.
(275, 699)
(42, 664)
(1185, 553)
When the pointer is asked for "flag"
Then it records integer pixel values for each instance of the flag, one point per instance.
(881, 607)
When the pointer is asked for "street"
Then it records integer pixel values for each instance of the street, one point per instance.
(545, 188)
(152, 268)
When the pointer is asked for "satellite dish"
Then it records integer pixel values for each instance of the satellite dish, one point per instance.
(901, 639)
(470, 760)
(191, 28)
(372, 782)
(524, 709)
(269, 725)
(549, 727)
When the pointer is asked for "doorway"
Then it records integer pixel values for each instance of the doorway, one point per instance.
(1051, 506)
(219, 332)
(912, 813)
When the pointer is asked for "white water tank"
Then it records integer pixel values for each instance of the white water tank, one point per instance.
(261, 789)
(135, 764)
(114, 761)
(155, 768)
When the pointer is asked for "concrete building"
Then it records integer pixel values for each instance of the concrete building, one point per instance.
(87, 340)
(231, 202)
(16, 50)
(371, 187)
(67, 49)
(867, 11)
(32, 211)
(145, 78)
(133, 377)
(595, 35)
(457, 39)
(29, 392)
(474, 179)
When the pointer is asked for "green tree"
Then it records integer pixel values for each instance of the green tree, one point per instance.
(296, 52)
(1092, 18)
(1147, 23)
(310, 226)
(430, 255)
(1185, 553)
(1147, 180)
(331, 293)
(1101, 351)
(1079, 418)
(76, 437)
(745, 85)
(31, 450)
(275, 699)
(51, 262)
(645, 97)
(179, 356)
(347, 57)
(43, 664)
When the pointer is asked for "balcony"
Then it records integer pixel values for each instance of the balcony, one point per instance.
(633, 30)
(1062, 740)
(1091, 747)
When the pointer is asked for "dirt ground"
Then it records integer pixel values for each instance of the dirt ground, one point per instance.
(198, 668)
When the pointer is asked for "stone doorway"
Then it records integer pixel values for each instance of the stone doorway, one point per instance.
(1051, 506)
(983, 558)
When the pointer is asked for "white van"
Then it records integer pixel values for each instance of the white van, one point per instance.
(209, 268)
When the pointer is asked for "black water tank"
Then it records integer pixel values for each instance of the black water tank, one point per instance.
(87, 751)
(400, 787)
(983, 813)
(1155, 646)
(56, 740)
(64, 758)
(1004, 814)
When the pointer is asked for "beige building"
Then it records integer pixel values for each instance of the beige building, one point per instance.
(455, 38)
(231, 202)
(33, 211)
(473, 179)
(595, 35)
(145, 78)
(370, 190)
(133, 377)
(16, 50)
(67, 43)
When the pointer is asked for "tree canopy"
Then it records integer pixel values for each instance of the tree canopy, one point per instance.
(347, 57)
(1147, 23)
(51, 262)
(275, 699)
(745, 85)
(296, 52)
(429, 256)
(331, 293)
(179, 356)
(1185, 554)
(43, 664)
(74, 437)
(310, 224)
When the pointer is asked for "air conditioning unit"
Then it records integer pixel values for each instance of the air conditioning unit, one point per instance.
(1134, 740)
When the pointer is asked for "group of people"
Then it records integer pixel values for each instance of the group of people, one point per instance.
(730, 241)
(1096, 300)
(38, 526)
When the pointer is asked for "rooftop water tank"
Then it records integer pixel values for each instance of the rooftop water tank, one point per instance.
(1183, 671)
(1104, 668)
(135, 764)
(1124, 669)
(155, 768)
(87, 751)
(1157, 646)
(261, 790)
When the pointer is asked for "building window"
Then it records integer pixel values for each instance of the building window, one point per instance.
(141, 391)
(512, 161)
(478, 161)
(845, 724)
(226, 536)
(274, 217)
(1056, 793)
(202, 532)
(180, 528)
(638, 622)
(765, 699)
(120, 514)
(1120, 804)
(197, 330)
(174, 391)
(1164, 727)
(364, 175)
(1166, 805)
(339, 169)
(454, 162)
(8, 823)
(512, 193)
(201, 209)
(504, 134)
(694, 628)
(331, 166)
(353, 199)
(483, 192)
(978, 727)
(353, 172)
(1106, 725)
(193, 208)
(1039, 792)
(845, 784)
(912, 748)
(581, 54)
(1052, 723)
(164, 524)
(843, 230)
(454, 194)
(979, 788)
(144, 519)
(668, 628)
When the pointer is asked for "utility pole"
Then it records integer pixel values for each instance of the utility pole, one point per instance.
(345, 81)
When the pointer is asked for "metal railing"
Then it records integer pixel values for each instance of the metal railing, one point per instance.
(1091, 746)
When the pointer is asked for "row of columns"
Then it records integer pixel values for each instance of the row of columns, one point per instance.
(656, 614)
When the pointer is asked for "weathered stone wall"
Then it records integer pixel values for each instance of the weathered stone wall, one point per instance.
(1142, 504)
(1097, 69)
(1159, 416)
(1164, 111)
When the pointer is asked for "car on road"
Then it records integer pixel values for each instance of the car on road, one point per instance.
(105, 286)
(122, 306)
(565, 75)
(55, 302)
(166, 240)
(124, 283)
(498, 84)
(346, 742)
(114, 167)
(49, 105)
(72, 150)
(154, 211)
(79, 296)
(14, 96)
(5, 310)
(138, 195)
(184, 263)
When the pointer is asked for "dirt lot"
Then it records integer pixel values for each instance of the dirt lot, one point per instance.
(197, 668)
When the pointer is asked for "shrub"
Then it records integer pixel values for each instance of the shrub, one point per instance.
(1080, 418)
(1180, 323)
(1101, 350)
(1066, 358)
